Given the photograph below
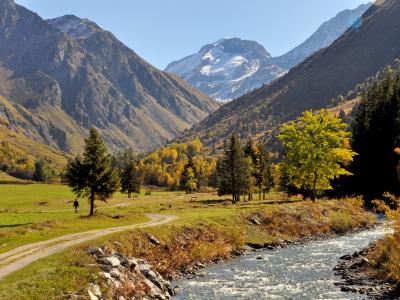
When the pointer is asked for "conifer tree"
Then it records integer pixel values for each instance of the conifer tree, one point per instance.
(234, 170)
(130, 178)
(92, 176)
(266, 177)
(376, 138)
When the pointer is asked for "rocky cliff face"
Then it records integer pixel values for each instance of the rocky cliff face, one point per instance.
(71, 75)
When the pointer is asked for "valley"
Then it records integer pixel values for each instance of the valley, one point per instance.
(230, 173)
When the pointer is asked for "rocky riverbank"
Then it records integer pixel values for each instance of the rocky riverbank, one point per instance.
(173, 252)
(353, 270)
(125, 278)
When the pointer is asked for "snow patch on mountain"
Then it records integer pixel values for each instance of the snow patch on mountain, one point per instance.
(74, 26)
(225, 69)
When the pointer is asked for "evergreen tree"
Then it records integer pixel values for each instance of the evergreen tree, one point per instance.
(130, 178)
(234, 170)
(375, 137)
(92, 176)
(251, 151)
(266, 178)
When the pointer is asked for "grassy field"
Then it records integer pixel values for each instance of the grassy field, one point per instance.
(36, 212)
(214, 226)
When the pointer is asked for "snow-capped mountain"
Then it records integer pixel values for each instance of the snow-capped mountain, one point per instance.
(232, 67)
(326, 34)
(228, 68)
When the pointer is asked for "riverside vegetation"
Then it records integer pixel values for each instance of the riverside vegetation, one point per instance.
(208, 229)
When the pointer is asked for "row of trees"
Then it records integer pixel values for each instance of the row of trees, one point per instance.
(316, 147)
(97, 174)
(319, 154)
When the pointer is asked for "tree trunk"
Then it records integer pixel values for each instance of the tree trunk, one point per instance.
(314, 192)
(91, 204)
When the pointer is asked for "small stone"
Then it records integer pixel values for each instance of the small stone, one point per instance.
(105, 275)
(346, 257)
(95, 289)
(255, 221)
(153, 239)
(117, 244)
(111, 260)
(260, 257)
(97, 252)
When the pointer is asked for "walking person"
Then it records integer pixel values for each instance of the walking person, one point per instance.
(76, 205)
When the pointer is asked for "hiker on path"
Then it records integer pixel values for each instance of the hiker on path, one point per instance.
(76, 205)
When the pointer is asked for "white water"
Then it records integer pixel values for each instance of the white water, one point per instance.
(297, 272)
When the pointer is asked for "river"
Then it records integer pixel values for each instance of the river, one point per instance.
(298, 272)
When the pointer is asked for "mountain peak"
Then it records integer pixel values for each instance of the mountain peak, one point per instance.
(76, 27)
(236, 45)
(226, 69)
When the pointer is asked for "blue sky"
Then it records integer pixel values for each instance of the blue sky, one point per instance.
(165, 30)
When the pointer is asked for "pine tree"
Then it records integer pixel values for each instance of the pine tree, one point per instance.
(234, 170)
(130, 178)
(267, 179)
(375, 137)
(92, 176)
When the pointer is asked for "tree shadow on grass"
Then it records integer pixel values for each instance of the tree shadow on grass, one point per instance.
(212, 201)
(14, 225)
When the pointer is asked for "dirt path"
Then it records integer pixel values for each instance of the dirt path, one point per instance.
(21, 257)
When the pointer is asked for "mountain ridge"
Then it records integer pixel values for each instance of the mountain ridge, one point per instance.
(327, 74)
(71, 70)
(225, 79)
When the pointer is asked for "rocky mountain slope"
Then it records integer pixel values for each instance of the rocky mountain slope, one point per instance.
(359, 54)
(67, 74)
(326, 34)
(230, 68)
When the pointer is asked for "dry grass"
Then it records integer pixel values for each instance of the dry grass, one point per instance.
(385, 254)
(182, 247)
(298, 221)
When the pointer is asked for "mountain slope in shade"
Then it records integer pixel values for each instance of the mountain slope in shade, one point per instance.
(326, 34)
(69, 75)
(359, 54)
(228, 68)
